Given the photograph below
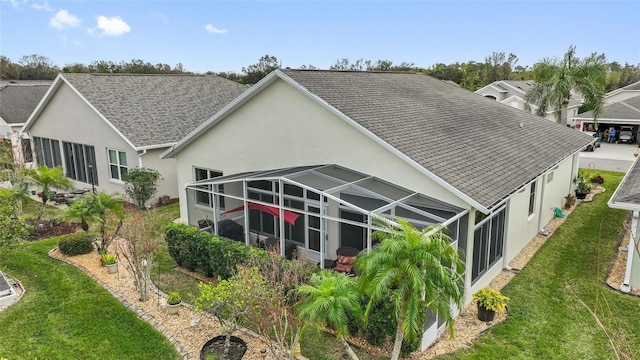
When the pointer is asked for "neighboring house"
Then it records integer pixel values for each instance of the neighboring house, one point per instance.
(98, 126)
(313, 158)
(18, 99)
(626, 92)
(512, 93)
(627, 197)
(623, 113)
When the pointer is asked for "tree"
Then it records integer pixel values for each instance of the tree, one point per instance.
(104, 209)
(46, 179)
(138, 247)
(231, 300)
(328, 300)
(141, 184)
(254, 73)
(498, 66)
(556, 80)
(15, 195)
(418, 269)
(13, 229)
(37, 67)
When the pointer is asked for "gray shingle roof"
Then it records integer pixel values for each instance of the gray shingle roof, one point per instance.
(626, 109)
(629, 190)
(483, 148)
(18, 100)
(523, 85)
(634, 86)
(155, 109)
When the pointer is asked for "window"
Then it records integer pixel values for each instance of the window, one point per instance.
(47, 152)
(202, 197)
(79, 161)
(117, 164)
(532, 198)
(488, 239)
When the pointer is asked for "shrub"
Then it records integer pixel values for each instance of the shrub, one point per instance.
(141, 184)
(174, 298)
(194, 249)
(77, 243)
(109, 259)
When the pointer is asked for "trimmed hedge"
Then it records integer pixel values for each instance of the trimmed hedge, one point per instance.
(197, 250)
(77, 243)
(194, 250)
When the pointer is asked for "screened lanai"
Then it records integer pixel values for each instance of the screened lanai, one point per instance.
(312, 211)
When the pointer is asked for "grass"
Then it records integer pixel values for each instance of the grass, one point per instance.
(64, 314)
(547, 317)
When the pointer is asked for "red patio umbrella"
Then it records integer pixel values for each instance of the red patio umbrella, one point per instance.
(289, 216)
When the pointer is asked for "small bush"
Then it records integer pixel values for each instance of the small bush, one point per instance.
(194, 249)
(77, 243)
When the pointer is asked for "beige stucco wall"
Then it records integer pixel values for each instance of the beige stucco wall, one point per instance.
(550, 193)
(68, 118)
(166, 167)
(280, 127)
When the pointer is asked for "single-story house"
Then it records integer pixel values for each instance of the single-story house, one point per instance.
(624, 112)
(512, 93)
(627, 197)
(18, 99)
(310, 159)
(97, 126)
(625, 92)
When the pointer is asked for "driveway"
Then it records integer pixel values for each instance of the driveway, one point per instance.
(613, 157)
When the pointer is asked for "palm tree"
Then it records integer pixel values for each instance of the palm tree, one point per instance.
(557, 79)
(329, 299)
(412, 269)
(15, 195)
(105, 209)
(47, 179)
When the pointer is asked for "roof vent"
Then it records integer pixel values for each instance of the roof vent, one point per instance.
(521, 125)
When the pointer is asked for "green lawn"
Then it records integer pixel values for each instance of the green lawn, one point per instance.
(547, 319)
(64, 314)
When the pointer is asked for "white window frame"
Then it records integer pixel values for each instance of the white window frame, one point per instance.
(118, 164)
(211, 173)
(532, 199)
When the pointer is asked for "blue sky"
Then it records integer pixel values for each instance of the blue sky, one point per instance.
(226, 36)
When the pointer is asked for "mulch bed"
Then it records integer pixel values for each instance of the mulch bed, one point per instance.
(46, 229)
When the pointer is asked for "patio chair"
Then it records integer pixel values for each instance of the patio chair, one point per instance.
(346, 258)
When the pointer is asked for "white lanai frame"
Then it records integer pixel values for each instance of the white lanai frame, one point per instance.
(347, 189)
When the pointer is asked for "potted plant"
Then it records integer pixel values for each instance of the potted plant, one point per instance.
(583, 187)
(489, 302)
(570, 200)
(173, 302)
(110, 261)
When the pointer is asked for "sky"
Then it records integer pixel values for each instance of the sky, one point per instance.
(229, 35)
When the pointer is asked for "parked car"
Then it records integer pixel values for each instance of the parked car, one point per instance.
(596, 141)
(626, 134)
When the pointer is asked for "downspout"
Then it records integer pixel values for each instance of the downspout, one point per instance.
(140, 155)
(541, 207)
(626, 287)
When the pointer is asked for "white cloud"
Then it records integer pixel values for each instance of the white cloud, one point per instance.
(214, 30)
(63, 19)
(44, 6)
(16, 3)
(113, 26)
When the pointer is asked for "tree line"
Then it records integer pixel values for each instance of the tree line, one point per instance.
(470, 75)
